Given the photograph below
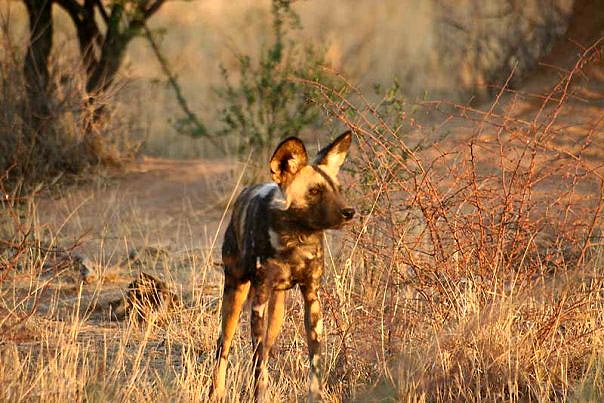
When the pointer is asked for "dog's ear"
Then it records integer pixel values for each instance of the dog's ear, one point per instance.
(289, 157)
(332, 156)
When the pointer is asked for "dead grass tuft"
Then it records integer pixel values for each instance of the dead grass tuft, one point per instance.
(474, 272)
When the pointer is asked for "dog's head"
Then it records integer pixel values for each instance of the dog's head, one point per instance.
(312, 191)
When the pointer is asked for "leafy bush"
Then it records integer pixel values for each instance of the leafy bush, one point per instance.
(265, 103)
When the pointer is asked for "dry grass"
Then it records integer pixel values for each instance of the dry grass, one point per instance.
(58, 342)
(387, 339)
(484, 247)
(474, 272)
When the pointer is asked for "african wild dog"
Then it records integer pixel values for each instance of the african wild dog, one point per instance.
(274, 242)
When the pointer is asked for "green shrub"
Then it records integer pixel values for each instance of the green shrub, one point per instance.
(266, 104)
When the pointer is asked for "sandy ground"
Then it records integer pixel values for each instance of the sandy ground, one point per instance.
(178, 207)
(169, 213)
(165, 197)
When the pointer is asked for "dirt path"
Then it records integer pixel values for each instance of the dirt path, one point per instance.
(166, 214)
(173, 204)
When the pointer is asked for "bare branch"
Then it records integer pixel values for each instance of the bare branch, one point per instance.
(73, 8)
(102, 10)
(153, 8)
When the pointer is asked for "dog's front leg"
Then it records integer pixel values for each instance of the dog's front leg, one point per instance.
(313, 322)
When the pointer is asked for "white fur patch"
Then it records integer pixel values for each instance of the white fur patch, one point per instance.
(315, 386)
(278, 200)
(259, 309)
(274, 239)
(319, 327)
(264, 190)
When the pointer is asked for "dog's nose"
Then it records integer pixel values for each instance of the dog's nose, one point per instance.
(348, 213)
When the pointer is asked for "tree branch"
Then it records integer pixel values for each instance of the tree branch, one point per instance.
(102, 11)
(83, 18)
(73, 8)
(153, 8)
(199, 129)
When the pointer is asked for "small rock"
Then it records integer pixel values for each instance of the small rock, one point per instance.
(86, 268)
(144, 295)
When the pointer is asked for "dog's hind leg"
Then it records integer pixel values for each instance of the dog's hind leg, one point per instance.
(276, 312)
(234, 297)
(262, 295)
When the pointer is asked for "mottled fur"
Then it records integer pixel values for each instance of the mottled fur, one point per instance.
(274, 242)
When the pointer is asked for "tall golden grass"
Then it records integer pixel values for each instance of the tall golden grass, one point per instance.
(474, 272)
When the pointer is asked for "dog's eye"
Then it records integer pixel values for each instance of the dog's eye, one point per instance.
(314, 191)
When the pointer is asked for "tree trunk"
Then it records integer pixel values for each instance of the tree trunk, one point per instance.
(88, 35)
(36, 60)
(112, 53)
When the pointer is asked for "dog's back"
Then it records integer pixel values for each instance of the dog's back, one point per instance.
(247, 236)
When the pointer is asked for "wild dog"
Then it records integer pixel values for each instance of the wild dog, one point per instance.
(274, 242)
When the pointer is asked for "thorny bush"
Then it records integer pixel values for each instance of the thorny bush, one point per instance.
(470, 245)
